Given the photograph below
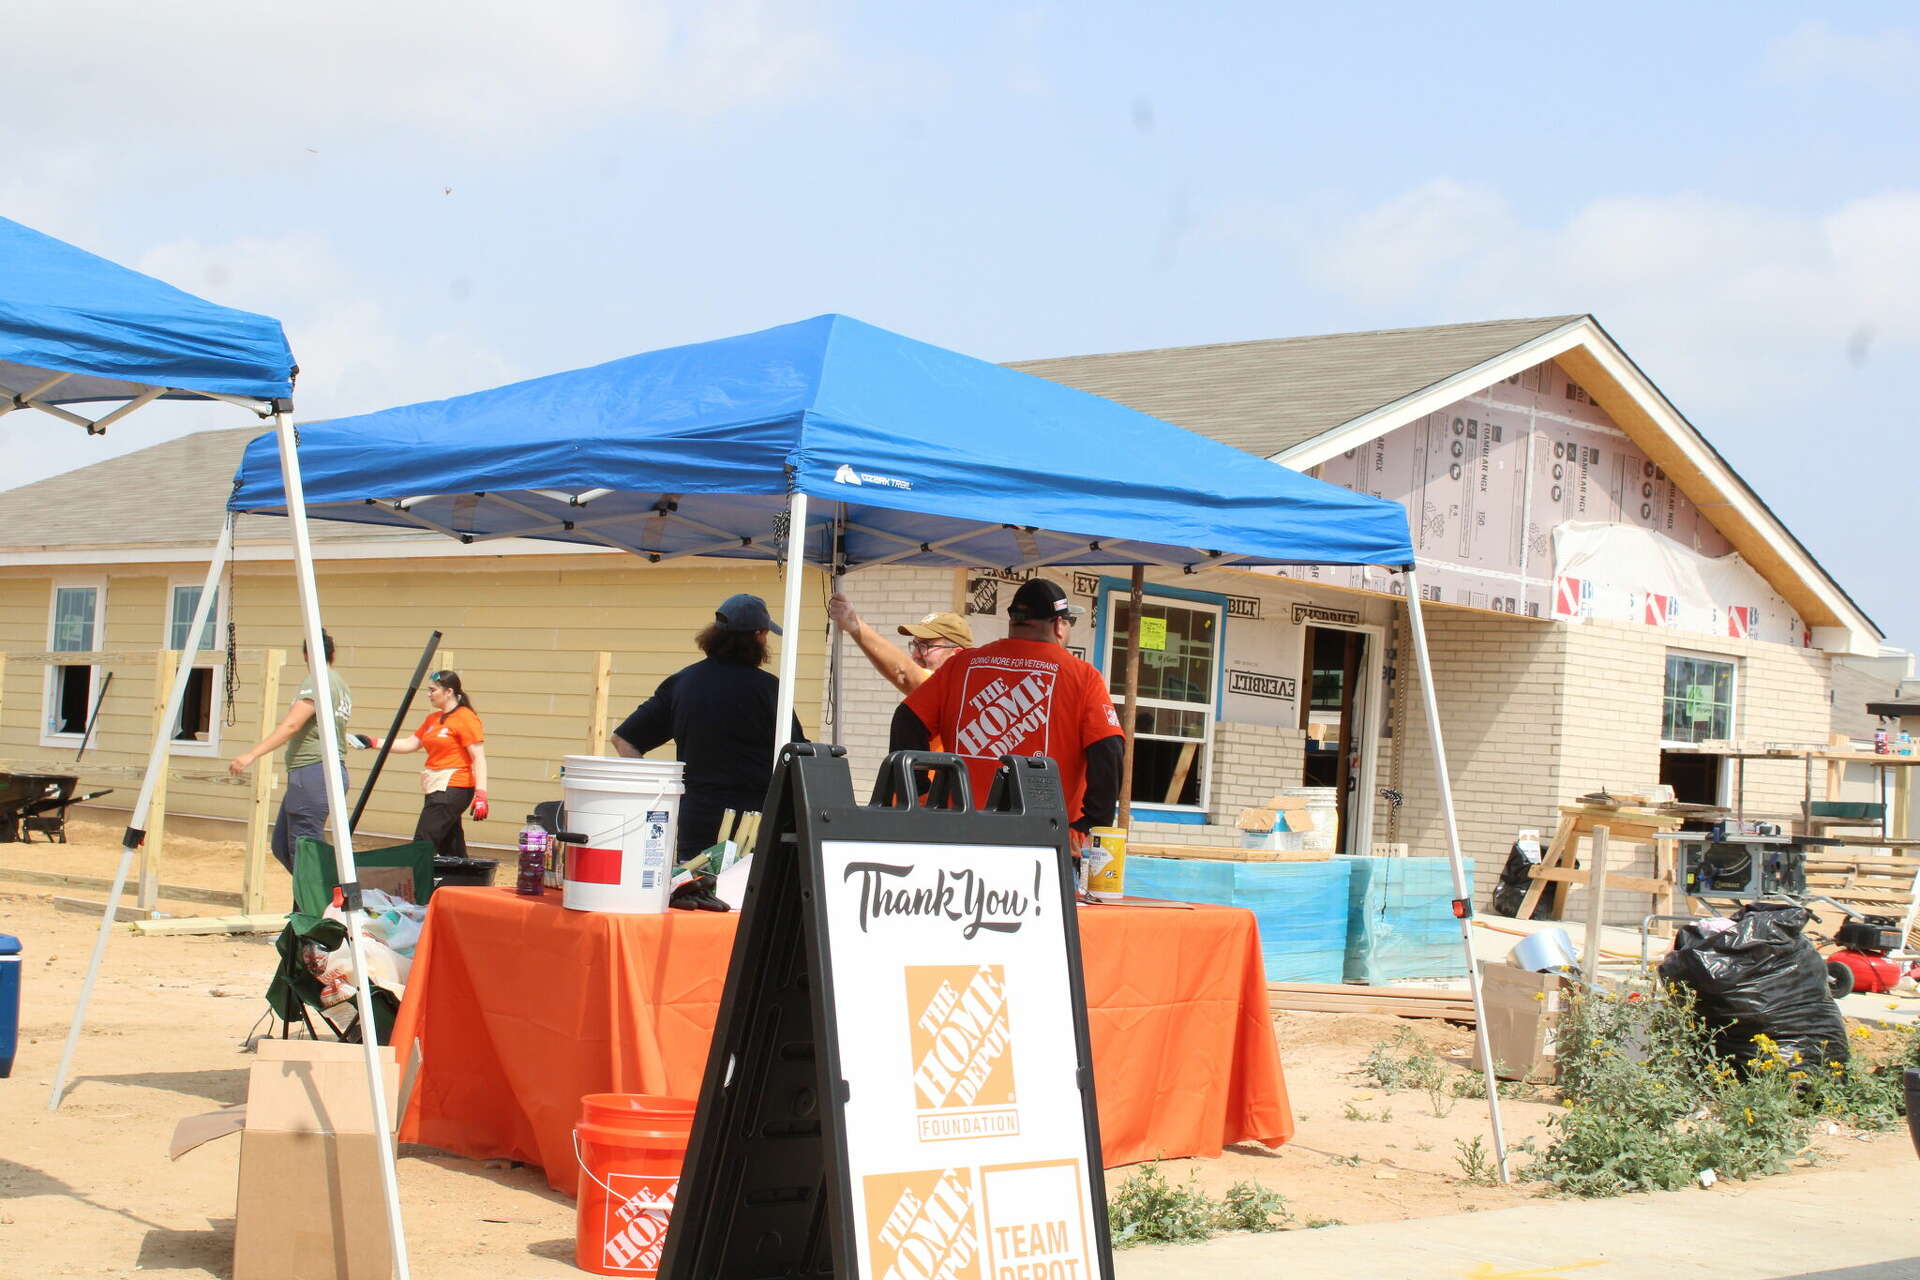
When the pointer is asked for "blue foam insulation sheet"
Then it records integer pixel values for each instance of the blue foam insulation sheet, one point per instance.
(1372, 920)
(1401, 922)
(1302, 907)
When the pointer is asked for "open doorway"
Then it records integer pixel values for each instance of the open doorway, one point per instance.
(1331, 715)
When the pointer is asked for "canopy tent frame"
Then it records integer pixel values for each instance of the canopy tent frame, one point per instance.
(784, 530)
(88, 331)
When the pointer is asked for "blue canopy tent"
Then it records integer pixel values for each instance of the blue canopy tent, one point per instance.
(76, 329)
(832, 442)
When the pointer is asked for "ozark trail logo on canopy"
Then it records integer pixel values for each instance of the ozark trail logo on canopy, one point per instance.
(962, 1052)
(847, 475)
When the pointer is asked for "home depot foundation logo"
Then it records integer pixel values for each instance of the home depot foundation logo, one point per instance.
(962, 1052)
(847, 475)
(920, 1226)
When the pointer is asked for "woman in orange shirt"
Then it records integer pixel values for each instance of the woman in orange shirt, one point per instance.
(455, 775)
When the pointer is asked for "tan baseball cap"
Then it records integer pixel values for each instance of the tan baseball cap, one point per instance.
(950, 627)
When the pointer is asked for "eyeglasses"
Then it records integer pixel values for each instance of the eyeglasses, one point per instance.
(918, 645)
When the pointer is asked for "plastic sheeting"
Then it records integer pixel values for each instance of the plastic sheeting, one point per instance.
(1622, 573)
(117, 332)
(1302, 907)
(696, 449)
(1400, 921)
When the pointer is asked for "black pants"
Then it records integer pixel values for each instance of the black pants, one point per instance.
(440, 821)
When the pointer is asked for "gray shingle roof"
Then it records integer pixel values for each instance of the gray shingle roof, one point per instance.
(1270, 395)
(1260, 396)
(175, 492)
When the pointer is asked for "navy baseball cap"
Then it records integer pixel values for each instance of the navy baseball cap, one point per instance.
(745, 612)
(1040, 600)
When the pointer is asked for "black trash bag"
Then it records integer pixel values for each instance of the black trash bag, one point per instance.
(1761, 977)
(1514, 883)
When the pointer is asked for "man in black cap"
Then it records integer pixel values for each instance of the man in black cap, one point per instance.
(719, 715)
(1025, 696)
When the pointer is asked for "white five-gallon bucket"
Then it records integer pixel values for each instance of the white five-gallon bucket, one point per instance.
(627, 811)
(1323, 804)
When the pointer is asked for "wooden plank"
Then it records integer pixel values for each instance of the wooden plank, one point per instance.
(1556, 853)
(1632, 884)
(1406, 1002)
(1226, 853)
(154, 847)
(199, 926)
(62, 880)
(253, 880)
(1181, 768)
(602, 685)
(1597, 901)
(86, 906)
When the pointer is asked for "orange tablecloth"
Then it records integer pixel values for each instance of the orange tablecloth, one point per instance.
(521, 1006)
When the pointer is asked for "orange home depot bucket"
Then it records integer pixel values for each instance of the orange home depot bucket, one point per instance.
(630, 1147)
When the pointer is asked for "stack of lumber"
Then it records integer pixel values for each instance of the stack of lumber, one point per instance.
(1873, 881)
(1405, 1002)
(1226, 853)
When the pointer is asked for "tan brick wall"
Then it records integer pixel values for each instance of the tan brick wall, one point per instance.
(1536, 714)
(1249, 762)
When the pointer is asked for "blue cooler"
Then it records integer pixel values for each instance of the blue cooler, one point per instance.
(9, 1001)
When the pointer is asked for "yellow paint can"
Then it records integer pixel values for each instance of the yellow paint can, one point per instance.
(1106, 859)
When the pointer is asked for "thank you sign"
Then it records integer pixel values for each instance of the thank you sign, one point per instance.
(965, 1132)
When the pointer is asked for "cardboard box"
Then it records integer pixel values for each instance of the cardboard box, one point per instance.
(1523, 1011)
(310, 1204)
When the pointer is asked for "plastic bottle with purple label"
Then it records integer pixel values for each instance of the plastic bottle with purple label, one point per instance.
(532, 880)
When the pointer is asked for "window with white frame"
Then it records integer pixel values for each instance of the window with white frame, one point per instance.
(1179, 672)
(197, 723)
(75, 627)
(1696, 704)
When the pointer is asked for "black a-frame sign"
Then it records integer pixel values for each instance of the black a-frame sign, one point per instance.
(900, 1085)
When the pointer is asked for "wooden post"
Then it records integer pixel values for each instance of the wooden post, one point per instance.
(1596, 903)
(253, 886)
(1131, 700)
(154, 847)
(602, 685)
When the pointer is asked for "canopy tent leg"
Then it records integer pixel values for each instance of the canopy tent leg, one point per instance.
(1463, 908)
(836, 659)
(795, 563)
(156, 761)
(338, 819)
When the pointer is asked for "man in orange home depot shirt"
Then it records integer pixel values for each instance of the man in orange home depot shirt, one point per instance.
(1024, 696)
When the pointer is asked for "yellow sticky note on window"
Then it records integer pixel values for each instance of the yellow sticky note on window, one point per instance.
(1153, 633)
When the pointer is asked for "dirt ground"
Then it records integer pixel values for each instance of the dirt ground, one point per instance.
(89, 1191)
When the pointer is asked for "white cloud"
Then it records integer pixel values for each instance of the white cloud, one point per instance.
(1737, 298)
(225, 72)
(1814, 54)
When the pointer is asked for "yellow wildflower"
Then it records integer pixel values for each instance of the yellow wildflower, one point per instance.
(1749, 1111)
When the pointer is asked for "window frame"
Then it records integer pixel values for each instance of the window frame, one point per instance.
(50, 737)
(211, 659)
(1733, 696)
(1113, 594)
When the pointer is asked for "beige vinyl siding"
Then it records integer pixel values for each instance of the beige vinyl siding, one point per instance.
(523, 633)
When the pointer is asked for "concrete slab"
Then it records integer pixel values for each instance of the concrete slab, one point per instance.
(1838, 1225)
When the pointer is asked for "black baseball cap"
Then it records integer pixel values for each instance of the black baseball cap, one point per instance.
(1042, 600)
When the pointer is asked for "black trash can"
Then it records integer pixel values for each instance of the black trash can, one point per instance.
(463, 871)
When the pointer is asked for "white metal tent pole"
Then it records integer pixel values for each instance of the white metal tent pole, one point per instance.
(337, 819)
(836, 664)
(1463, 898)
(136, 825)
(796, 565)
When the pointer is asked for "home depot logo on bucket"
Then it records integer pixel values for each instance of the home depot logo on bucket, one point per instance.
(920, 1225)
(636, 1224)
(962, 1052)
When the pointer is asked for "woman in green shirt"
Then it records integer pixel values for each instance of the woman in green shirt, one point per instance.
(303, 807)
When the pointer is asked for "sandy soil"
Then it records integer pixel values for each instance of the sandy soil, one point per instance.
(89, 1190)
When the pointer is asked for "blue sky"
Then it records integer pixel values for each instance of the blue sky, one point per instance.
(441, 196)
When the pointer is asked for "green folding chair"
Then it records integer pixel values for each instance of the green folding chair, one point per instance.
(315, 876)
